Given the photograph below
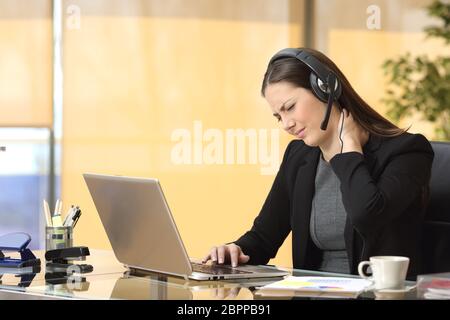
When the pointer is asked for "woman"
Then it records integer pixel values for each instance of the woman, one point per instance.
(357, 189)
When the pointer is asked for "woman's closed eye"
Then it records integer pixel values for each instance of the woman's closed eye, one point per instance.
(288, 109)
(291, 107)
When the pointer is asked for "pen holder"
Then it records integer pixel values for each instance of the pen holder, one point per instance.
(58, 238)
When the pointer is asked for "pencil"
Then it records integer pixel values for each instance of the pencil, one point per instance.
(48, 216)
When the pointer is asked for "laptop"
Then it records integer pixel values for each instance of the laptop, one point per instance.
(143, 233)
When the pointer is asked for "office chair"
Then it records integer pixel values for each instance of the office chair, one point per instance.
(436, 241)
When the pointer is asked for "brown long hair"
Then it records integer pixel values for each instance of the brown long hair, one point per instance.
(297, 73)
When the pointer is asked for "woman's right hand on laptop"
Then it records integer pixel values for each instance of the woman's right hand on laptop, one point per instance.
(225, 254)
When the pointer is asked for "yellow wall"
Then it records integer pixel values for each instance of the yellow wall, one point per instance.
(25, 63)
(133, 79)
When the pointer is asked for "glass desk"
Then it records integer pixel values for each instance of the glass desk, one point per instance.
(111, 280)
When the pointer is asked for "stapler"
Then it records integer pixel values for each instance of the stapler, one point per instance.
(61, 260)
(17, 242)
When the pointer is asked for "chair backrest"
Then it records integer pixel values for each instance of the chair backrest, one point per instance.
(436, 244)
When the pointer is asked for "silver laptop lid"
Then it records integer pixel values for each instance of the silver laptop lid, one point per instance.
(139, 223)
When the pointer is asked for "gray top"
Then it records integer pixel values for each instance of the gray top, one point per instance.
(328, 220)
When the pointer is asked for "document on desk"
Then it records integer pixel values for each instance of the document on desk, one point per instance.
(315, 286)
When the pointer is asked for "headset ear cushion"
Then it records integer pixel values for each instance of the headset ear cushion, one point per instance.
(318, 92)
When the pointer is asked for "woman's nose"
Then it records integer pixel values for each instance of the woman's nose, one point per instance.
(288, 124)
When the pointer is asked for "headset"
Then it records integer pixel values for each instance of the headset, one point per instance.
(324, 83)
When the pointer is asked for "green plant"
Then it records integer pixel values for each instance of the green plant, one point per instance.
(420, 83)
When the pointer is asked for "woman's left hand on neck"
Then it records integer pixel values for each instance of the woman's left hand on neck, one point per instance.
(353, 135)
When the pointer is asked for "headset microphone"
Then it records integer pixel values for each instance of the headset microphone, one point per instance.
(331, 83)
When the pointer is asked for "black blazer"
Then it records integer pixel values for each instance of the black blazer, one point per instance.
(385, 193)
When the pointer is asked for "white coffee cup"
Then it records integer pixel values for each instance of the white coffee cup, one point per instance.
(388, 272)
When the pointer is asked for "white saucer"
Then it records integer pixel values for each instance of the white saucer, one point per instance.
(392, 293)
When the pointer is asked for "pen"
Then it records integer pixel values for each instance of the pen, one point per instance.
(69, 215)
(76, 218)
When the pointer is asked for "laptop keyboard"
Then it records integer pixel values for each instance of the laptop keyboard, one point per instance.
(216, 269)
